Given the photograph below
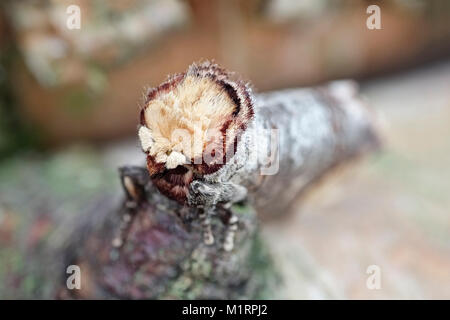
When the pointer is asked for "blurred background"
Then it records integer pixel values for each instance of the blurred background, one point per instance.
(69, 101)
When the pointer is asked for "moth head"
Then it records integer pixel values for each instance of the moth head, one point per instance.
(194, 119)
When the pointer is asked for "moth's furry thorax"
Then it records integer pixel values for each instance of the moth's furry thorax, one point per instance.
(202, 110)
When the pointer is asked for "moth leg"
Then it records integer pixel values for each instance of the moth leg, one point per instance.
(205, 218)
(207, 196)
(125, 224)
(231, 222)
(134, 181)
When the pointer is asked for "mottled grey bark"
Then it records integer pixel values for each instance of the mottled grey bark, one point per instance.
(319, 129)
(296, 137)
(152, 247)
(163, 255)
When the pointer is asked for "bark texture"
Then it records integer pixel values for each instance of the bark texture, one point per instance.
(318, 129)
(160, 252)
(163, 255)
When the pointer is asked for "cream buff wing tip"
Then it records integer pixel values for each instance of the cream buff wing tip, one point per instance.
(146, 138)
(175, 159)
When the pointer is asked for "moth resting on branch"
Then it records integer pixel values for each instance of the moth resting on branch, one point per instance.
(210, 142)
